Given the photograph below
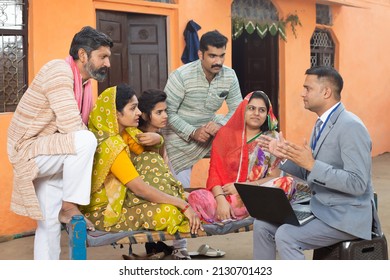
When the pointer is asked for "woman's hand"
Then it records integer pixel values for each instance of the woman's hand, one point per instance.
(229, 189)
(149, 138)
(224, 211)
(194, 220)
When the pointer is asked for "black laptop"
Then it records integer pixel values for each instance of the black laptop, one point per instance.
(271, 204)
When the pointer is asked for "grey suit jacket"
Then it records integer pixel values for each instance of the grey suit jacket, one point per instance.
(341, 177)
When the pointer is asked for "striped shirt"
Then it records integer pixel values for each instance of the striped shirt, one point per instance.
(192, 102)
(42, 124)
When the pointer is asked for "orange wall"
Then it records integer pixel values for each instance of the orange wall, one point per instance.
(361, 58)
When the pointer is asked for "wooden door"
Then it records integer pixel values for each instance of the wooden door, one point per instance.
(147, 52)
(255, 61)
(115, 25)
(139, 55)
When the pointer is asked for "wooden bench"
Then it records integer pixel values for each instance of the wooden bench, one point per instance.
(79, 240)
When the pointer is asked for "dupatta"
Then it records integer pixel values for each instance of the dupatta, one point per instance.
(83, 98)
(229, 152)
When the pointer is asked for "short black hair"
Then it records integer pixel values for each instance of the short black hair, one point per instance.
(88, 39)
(124, 93)
(330, 74)
(212, 38)
(148, 100)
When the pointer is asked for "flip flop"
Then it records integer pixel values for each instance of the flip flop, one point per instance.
(207, 251)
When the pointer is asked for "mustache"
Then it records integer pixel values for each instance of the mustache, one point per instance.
(216, 66)
(102, 70)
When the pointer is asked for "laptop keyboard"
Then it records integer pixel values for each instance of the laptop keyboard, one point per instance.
(302, 214)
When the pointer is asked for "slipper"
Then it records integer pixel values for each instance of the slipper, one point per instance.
(207, 251)
(180, 254)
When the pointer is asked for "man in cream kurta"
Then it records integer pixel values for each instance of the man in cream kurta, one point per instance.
(49, 146)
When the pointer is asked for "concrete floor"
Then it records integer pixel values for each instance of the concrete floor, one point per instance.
(236, 246)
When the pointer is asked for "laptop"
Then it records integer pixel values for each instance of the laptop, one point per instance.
(271, 204)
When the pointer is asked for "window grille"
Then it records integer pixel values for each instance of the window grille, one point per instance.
(321, 49)
(13, 53)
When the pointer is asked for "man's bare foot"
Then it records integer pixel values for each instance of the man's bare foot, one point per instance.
(69, 210)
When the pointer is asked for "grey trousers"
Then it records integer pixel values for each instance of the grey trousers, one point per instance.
(290, 241)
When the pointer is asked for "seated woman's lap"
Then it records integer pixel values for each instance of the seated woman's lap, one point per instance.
(147, 215)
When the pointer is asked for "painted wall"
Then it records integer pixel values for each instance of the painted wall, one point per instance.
(361, 58)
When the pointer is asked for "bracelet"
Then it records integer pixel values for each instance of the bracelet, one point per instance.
(185, 208)
(219, 195)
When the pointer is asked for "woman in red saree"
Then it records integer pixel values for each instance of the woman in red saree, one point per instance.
(236, 157)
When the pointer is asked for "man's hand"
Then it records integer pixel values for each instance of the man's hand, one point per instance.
(212, 128)
(269, 144)
(201, 135)
(300, 154)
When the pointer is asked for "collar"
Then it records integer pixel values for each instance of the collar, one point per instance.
(325, 115)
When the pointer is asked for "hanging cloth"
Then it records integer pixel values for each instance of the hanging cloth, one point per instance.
(191, 38)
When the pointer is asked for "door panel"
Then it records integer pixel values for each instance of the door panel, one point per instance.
(147, 51)
(139, 55)
(114, 25)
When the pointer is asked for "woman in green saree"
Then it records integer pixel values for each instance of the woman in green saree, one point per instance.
(120, 199)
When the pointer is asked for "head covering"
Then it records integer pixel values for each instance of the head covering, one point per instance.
(103, 123)
(229, 152)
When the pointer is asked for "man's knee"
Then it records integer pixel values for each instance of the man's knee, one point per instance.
(283, 236)
(85, 139)
(260, 229)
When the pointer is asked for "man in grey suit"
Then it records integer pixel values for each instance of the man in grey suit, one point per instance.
(336, 165)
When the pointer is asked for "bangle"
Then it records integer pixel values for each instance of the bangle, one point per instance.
(219, 195)
(185, 208)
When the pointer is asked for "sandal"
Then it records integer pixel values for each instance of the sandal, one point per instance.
(206, 251)
(180, 254)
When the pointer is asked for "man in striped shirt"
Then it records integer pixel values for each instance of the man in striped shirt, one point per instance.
(196, 91)
(49, 146)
